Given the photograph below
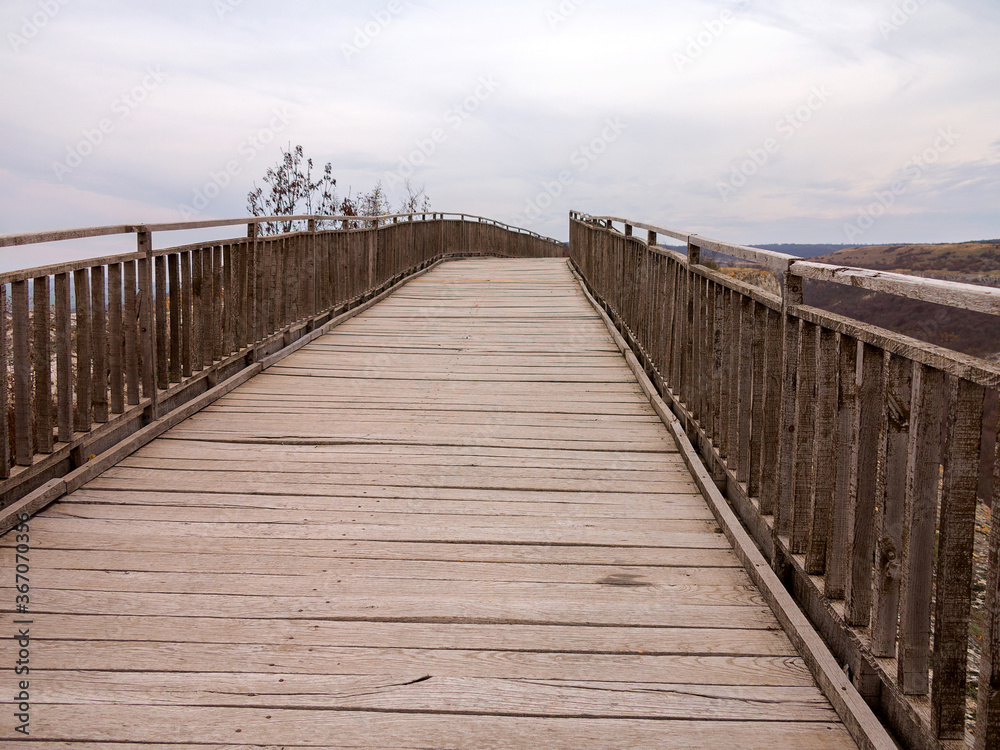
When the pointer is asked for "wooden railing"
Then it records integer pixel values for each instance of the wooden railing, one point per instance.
(92, 351)
(850, 453)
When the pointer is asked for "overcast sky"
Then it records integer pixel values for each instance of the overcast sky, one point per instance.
(860, 121)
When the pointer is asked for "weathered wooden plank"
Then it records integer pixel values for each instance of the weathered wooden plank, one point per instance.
(953, 602)
(839, 551)
(116, 358)
(865, 442)
(786, 449)
(42, 354)
(24, 439)
(131, 335)
(64, 358)
(187, 322)
(84, 351)
(803, 468)
(923, 477)
(828, 367)
(5, 452)
(147, 320)
(162, 327)
(771, 427)
(988, 695)
(340, 729)
(99, 343)
(745, 398)
(897, 416)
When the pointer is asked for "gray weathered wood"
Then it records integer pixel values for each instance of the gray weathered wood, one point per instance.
(42, 353)
(839, 552)
(116, 339)
(953, 602)
(83, 418)
(64, 358)
(828, 367)
(923, 477)
(896, 420)
(864, 486)
(99, 345)
(24, 441)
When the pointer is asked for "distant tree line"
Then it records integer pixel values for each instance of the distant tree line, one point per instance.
(292, 187)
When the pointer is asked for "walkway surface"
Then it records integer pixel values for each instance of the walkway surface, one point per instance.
(454, 521)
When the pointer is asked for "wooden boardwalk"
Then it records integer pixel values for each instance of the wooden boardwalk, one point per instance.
(455, 521)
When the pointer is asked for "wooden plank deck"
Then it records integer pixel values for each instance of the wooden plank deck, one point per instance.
(454, 521)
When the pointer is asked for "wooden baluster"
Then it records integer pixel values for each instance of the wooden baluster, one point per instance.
(988, 696)
(229, 297)
(896, 420)
(758, 359)
(5, 452)
(719, 382)
(84, 397)
(953, 602)
(828, 367)
(838, 552)
(771, 437)
(147, 322)
(805, 424)
(176, 307)
(64, 358)
(163, 342)
(218, 321)
(197, 328)
(865, 442)
(131, 335)
(44, 439)
(116, 359)
(922, 481)
(99, 344)
(789, 365)
(187, 323)
(744, 400)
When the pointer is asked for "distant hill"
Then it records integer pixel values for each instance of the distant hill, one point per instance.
(962, 258)
(805, 251)
(970, 262)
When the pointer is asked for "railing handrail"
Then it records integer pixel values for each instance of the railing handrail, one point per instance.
(58, 235)
(958, 294)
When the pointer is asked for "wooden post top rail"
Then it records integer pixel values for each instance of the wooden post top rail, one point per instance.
(251, 222)
(35, 238)
(951, 293)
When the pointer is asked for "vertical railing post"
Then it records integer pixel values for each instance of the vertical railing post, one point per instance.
(693, 251)
(147, 332)
(254, 304)
(313, 281)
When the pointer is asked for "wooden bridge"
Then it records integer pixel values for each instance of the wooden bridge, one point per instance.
(392, 483)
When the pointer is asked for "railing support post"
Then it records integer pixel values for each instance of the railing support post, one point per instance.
(313, 282)
(693, 252)
(146, 323)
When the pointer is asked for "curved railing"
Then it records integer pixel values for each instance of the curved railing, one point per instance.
(851, 453)
(93, 350)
